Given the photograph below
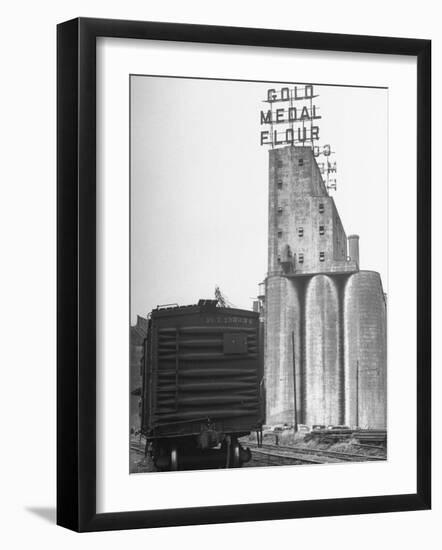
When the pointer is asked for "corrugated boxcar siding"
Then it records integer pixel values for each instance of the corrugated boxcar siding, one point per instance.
(196, 380)
(146, 412)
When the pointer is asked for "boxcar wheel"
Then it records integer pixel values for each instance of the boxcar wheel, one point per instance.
(235, 455)
(174, 459)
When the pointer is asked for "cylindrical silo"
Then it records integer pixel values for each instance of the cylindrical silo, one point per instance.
(282, 330)
(365, 351)
(323, 373)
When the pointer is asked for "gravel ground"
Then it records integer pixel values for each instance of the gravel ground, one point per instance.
(141, 464)
(138, 463)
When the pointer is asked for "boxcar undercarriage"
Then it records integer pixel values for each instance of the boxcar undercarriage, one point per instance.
(185, 453)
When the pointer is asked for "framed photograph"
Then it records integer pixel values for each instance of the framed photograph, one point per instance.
(243, 274)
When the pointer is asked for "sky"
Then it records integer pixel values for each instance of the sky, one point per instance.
(199, 184)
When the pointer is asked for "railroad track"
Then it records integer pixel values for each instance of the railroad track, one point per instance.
(378, 447)
(279, 455)
(341, 455)
(272, 457)
(312, 456)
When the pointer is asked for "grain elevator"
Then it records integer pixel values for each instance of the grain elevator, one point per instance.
(325, 318)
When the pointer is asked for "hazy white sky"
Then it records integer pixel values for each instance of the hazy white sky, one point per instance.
(199, 184)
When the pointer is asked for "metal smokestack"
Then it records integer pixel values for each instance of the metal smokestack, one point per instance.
(353, 248)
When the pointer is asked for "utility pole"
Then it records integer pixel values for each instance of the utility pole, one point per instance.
(294, 382)
(357, 394)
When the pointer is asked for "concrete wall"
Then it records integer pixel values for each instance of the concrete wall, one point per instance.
(291, 185)
(323, 373)
(365, 351)
(281, 323)
(339, 236)
(298, 200)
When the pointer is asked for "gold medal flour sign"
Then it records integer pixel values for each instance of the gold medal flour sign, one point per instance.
(291, 117)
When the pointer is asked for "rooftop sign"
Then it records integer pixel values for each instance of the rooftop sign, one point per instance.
(291, 118)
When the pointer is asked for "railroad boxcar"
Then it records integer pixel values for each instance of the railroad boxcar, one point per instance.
(202, 374)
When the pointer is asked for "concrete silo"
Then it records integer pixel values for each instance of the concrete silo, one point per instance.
(365, 351)
(282, 347)
(323, 386)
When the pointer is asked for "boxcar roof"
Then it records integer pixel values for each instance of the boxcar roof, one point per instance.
(203, 306)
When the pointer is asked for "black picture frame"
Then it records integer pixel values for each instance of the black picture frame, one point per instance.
(76, 273)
